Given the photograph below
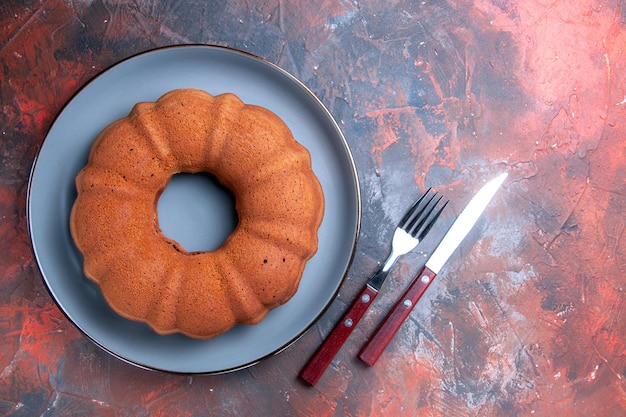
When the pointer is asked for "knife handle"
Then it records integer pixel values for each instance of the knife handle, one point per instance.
(316, 366)
(394, 319)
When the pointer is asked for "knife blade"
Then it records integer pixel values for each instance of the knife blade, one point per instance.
(375, 346)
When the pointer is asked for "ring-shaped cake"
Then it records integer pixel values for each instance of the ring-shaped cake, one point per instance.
(144, 275)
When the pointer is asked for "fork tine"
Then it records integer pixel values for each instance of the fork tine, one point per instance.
(432, 220)
(426, 218)
(413, 213)
(420, 218)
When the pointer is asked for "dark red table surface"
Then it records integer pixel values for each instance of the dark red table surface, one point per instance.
(527, 318)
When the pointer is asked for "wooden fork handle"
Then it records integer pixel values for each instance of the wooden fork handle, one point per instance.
(398, 314)
(316, 366)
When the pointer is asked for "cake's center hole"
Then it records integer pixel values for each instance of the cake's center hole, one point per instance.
(197, 211)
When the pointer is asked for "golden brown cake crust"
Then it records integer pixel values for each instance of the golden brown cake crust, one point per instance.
(147, 277)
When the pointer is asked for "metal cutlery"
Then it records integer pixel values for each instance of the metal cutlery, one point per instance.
(455, 235)
(413, 227)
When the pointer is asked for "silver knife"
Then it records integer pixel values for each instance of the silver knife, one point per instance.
(459, 229)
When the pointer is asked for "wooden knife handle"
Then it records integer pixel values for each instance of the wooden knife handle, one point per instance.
(316, 366)
(394, 319)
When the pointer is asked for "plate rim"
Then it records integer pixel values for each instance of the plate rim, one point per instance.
(355, 183)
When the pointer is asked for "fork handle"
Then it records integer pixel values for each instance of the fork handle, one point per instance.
(316, 366)
(394, 319)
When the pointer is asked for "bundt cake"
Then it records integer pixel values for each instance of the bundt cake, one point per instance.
(145, 276)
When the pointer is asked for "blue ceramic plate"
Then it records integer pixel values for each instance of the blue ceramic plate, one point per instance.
(146, 77)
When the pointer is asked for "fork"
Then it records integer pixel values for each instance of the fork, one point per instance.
(411, 230)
